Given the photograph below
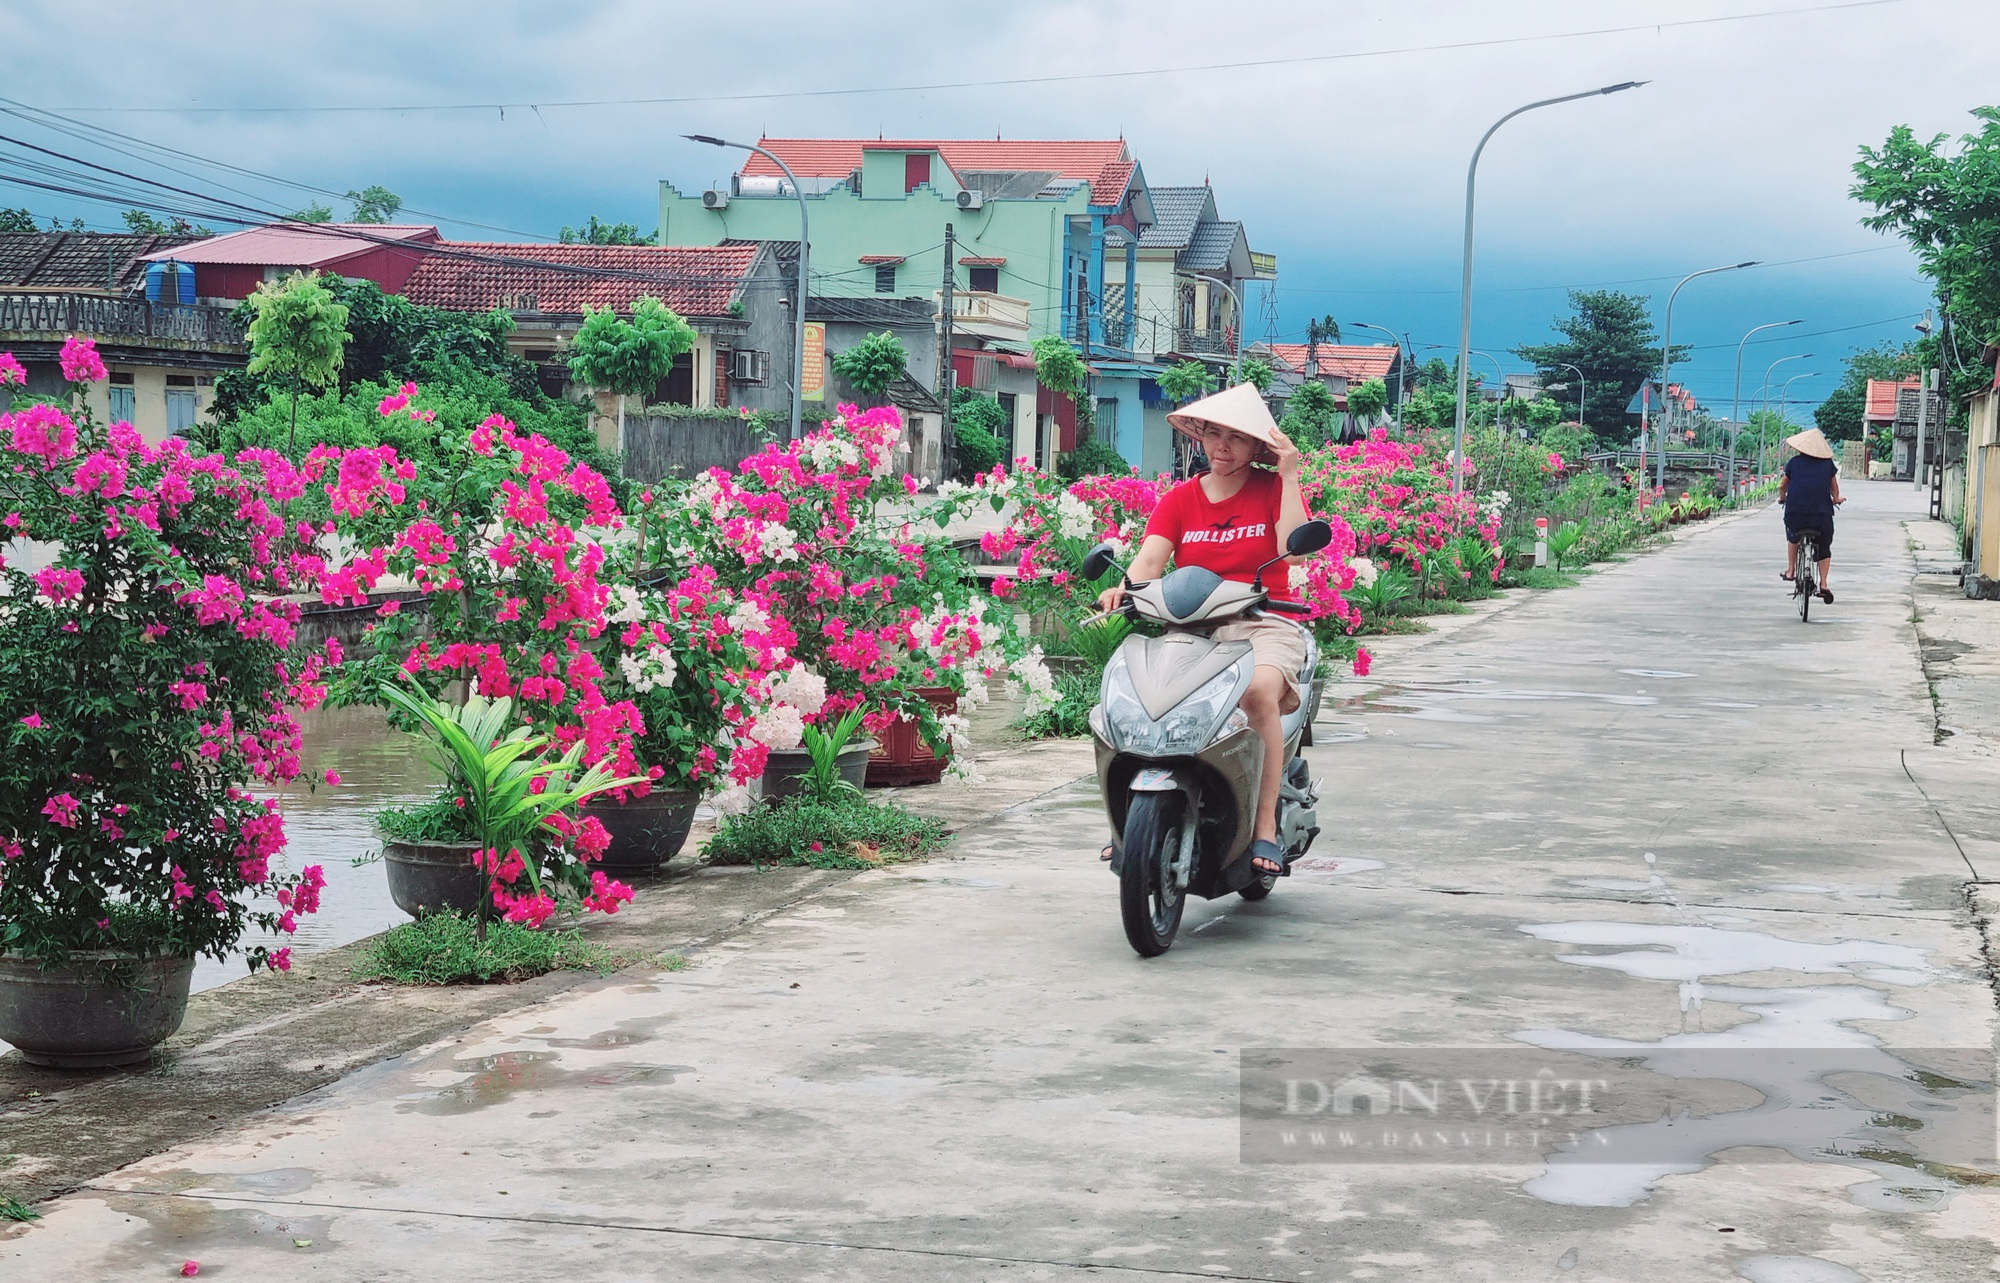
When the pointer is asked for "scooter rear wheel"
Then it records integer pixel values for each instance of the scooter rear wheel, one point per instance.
(1260, 888)
(1147, 898)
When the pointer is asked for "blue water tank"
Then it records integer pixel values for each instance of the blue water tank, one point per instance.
(169, 282)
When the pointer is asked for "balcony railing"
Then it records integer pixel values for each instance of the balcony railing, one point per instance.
(977, 312)
(1209, 342)
(58, 314)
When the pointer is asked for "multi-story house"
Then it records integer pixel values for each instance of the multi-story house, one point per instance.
(1039, 231)
(163, 348)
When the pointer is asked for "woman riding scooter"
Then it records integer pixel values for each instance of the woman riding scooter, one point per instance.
(1233, 519)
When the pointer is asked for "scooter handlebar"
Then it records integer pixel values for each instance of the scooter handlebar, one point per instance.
(1288, 607)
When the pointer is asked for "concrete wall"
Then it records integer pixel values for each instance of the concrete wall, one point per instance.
(658, 446)
(149, 393)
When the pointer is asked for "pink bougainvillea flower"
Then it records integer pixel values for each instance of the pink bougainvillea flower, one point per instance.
(191, 1268)
(32, 721)
(280, 960)
(43, 430)
(80, 362)
(333, 778)
(61, 810)
(1362, 661)
(12, 373)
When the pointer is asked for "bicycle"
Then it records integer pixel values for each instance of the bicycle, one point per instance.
(1805, 582)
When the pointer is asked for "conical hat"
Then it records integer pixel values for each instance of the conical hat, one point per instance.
(1240, 409)
(1813, 442)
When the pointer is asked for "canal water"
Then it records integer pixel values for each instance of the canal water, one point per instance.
(333, 826)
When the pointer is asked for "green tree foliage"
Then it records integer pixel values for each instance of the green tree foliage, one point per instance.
(1184, 382)
(874, 363)
(15, 222)
(628, 357)
(1610, 337)
(1321, 330)
(1366, 401)
(1311, 416)
(1058, 367)
(1257, 373)
(980, 428)
(298, 330)
(1947, 206)
(317, 212)
(596, 232)
(147, 225)
(374, 205)
(1840, 416)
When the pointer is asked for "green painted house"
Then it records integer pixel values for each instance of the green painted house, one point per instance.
(1045, 236)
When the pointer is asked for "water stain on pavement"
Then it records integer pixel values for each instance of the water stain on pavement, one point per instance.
(1653, 672)
(497, 1079)
(200, 1229)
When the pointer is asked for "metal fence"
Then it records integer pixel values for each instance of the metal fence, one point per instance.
(117, 317)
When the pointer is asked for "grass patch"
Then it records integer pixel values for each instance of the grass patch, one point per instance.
(445, 949)
(1390, 625)
(1544, 577)
(1070, 718)
(13, 1209)
(841, 832)
(1440, 606)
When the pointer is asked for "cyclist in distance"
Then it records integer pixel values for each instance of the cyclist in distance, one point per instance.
(1809, 492)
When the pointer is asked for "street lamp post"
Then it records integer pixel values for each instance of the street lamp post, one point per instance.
(1736, 399)
(1667, 357)
(1236, 301)
(1465, 280)
(1582, 388)
(1764, 403)
(1785, 396)
(799, 301)
(1397, 343)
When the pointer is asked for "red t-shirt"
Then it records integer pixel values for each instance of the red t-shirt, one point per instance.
(1232, 538)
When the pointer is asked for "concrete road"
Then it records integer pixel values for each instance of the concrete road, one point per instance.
(1655, 810)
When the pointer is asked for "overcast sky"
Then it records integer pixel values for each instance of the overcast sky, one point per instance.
(1350, 169)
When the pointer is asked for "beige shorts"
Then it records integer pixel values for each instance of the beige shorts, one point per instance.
(1275, 644)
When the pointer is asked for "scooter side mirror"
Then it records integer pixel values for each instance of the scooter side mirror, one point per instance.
(1308, 537)
(1099, 560)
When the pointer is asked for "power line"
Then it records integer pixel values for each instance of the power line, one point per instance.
(1009, 82)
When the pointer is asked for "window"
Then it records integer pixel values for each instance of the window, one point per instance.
(121, 401)
(180, 410)
(885, 278)
(985, 280)
(916, 169)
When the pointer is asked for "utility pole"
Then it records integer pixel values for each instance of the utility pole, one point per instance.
(949, 463)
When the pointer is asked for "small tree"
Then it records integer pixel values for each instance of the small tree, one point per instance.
(317, 212)
(1257, 373)
(628, 357)
(1060, 369)
(1184, 382)
(298, 331)
(1323, 330)
(597, 232)
(147, 225)
(1366, 401)
(874, 363)
(374, 205)
(1309, 416)
(18, 221)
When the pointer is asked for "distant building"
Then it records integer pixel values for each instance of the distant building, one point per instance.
(1891, 403)
(1338, 366)
(125, 291)
(232, 266)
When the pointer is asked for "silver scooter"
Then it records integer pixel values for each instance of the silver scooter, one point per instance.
(1177, 761)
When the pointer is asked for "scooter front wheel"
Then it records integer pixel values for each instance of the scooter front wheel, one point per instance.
(1148, 900)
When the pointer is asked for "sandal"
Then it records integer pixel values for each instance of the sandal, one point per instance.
(1787, 577)
(1106, 854)
(1266, 858)
(1826, 595)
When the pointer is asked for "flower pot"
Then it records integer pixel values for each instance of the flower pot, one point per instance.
(785, 773)
(82, 1017)
(646, 831)
(902, 758)
(426, 877)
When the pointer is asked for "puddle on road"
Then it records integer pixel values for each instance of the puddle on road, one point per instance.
(496, 1079)
(1653, 672)
(1433, 701)
(1795, 1269)
(1803, 1112)
(1329, 865)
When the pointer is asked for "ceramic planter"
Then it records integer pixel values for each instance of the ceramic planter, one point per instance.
(785, 773)
(646, 831)
(104, 1009)
(902, 758)
(425, 877)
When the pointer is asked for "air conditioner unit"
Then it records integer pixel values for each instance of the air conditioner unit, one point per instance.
(971, 199)
(747, 366)
(715, 198)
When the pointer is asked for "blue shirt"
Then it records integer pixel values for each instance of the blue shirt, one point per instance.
(1809, 486)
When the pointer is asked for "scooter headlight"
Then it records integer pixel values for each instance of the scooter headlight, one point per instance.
(1185, 730)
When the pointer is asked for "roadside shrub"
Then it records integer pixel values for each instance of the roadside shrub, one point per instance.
(1069, 718)
(835, 832)
(447, 949)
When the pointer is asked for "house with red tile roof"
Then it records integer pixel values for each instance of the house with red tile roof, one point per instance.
(233, 265)
(1339, 366)
(1033, 225)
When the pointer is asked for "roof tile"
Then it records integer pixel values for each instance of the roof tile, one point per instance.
(80, 260)
(1355, 362)
(1105, 164)
(693, 280)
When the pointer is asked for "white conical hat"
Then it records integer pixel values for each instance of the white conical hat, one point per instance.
(1240, 409)
(1813, 442)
